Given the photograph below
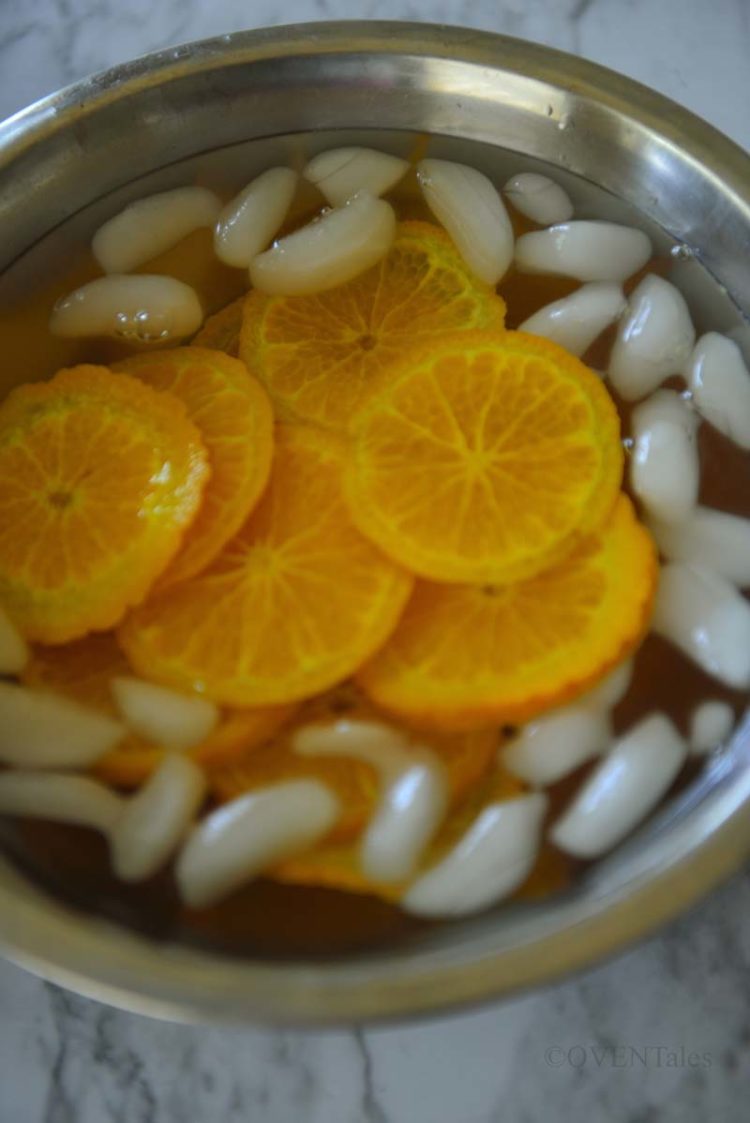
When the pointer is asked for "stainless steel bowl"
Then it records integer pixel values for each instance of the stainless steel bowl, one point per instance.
(250, 95)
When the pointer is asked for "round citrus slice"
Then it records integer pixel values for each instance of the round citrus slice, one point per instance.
(321, 356)
(233, 415)
(466, 759)
(100, 476)
(466, 654)
(485, 458)
(221, 332)
(294, 603)
(83, 670)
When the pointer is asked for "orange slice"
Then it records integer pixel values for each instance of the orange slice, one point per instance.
(233, 415)
(296, 602)
(83, 670)
(466, 654)
(221, 332)
(100, 476)
(321, 356)
(466, 757)
(240, 733)
(335, 863)
(485, 458)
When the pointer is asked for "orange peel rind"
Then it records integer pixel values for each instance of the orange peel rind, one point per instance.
(233, 415)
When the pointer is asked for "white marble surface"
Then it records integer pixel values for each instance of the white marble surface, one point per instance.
(563, 1054)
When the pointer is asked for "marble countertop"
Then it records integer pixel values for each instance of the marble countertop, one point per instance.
(661, 1033)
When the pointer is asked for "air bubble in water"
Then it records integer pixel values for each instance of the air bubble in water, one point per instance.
(124, 327)
(150, 328)
(682, 252)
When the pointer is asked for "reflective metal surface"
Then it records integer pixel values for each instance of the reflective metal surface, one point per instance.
(68, 151)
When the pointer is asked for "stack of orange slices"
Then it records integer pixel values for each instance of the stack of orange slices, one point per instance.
(378, 484)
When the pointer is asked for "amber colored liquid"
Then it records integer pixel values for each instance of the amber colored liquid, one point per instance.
(267, 919)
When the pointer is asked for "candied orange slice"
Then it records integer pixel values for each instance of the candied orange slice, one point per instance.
(466, 654)
(485, 458)
(294, 603)
(321, 356)
(466, 758)
(221, 332)
(335, 863)
(100, 476)
(83, 670)
(233, 415)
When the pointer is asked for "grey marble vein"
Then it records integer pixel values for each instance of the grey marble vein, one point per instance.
(614, 1045)
(372, 1109)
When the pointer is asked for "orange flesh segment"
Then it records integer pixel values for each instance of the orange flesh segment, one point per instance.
(486, 458)
(233, 415)
(100, 477)
(295, 603)
(321, 356)
(464, 655)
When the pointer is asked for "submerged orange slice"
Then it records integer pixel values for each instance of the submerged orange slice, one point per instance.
(233, 415)
(134, 759)
(466, 758)
(294, 603)
(485, 458)
(321, 356)
(335, 862)
(221, 332)
(466, 654)
(100, 476)
(83, 670)
(240, 731)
